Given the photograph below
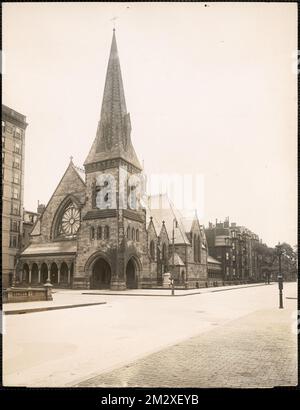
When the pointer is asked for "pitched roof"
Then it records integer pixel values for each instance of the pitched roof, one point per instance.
(50, 248)
(210, 259)
(177, 260)
(162, 209)
(113, 139)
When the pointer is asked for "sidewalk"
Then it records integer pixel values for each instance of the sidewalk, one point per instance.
(167, 292)
(257, 350)
(72, 298)
(61, 300)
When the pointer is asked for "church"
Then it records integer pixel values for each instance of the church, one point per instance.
(86, 236)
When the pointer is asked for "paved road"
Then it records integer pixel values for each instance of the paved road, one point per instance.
(66, 347)
(257, 350)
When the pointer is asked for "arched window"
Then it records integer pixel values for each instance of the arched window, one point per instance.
(164, 253)
(92, 232)
(195, 248)
(99, 232)
(199, 249)
(128, 232)
(106, 232)
(133, 234)
(69, 222)
(152, 250)
(137, 235)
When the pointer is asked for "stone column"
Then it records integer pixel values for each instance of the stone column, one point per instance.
(58, 272)
(39, 272)
(69, 272)
(49, 271)
(30, 269)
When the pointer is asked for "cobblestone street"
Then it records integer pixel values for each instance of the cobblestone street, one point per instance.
(258, 350)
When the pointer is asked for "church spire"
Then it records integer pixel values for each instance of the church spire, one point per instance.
(113, 139)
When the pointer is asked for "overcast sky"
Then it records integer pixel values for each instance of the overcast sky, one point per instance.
(210, 90)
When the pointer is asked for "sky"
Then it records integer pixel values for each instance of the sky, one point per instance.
(211, 90)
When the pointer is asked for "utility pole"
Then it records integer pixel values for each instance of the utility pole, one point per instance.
(173, 255)
(280, 276)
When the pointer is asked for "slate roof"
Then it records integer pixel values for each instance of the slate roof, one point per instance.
(50, 248)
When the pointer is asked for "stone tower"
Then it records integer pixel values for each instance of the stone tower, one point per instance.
(111, 231)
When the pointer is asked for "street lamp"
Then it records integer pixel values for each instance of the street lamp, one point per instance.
(175, 225)
(280, 276)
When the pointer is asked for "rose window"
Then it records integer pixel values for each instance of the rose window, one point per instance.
(70, 221)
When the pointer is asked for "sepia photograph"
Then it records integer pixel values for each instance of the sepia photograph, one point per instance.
(149, 197)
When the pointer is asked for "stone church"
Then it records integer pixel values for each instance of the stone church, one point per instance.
(86, 237)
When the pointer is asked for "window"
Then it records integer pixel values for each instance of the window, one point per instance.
(195, 248)
(16, 178)
(15, 209)
(92, 233)
(227, 270)
(99, 232)
(17, 148)
(3, 141)
(133, 234)
(15, 193)
(128, 232)
(133, 197)
(18, 132)
(14, 226)
(152, 250)
(233, 271)
(13, 241)
(227, 256)
(16, 162)
(3, 157)
(3, 126)
(233, 245)
(69, 221)
(233, 257)
(137, 235)
(164, 253)
(106, 232)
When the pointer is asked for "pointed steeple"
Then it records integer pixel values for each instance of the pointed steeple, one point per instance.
(113, 138)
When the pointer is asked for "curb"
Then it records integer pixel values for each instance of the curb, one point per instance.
(188, 294)
(43, 309)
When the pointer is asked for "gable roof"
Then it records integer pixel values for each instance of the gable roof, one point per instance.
(165, 211)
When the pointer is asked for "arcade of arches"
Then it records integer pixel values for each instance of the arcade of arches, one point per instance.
(60, 273)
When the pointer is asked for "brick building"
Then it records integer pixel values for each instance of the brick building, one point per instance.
(13, 151)
(87, 238)
(235, 247)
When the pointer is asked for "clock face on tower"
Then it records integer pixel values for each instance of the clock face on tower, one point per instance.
(70, 221)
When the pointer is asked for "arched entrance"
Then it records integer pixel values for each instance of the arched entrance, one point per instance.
(101, 275)
(54, 273)
(44, 272)
(25, 273)
(34, 274)
(131, 274)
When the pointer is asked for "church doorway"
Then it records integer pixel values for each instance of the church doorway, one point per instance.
(131, 274)
(101, 275)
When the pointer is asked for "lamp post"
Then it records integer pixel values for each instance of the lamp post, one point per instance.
(173, 255)
(280, 276)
